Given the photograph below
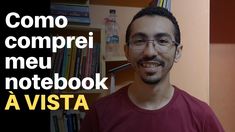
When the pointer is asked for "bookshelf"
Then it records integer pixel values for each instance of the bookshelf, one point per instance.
(115, 58)
(81, 60)
(62, 120)
(128, 3)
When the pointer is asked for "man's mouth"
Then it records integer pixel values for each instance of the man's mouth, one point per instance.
(150, 64)
(150, 67)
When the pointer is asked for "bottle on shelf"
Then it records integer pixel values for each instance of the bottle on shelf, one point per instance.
(112, 34)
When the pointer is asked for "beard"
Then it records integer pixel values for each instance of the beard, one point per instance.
(156, 78)
(151, 78)
(151, 81)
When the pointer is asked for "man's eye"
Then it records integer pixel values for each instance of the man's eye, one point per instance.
(163, 41)
(139, 41)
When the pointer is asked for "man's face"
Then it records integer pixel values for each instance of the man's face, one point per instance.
(152, 64)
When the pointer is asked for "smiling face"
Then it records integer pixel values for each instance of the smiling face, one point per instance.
(152, 64)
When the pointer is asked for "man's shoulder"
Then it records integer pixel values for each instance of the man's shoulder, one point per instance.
(189, 98)
(196, 105)
(200, 112)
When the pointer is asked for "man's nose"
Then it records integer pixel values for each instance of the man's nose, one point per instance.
(150, 50)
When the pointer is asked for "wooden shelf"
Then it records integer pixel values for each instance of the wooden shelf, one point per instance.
(129, 3)
(85, 2)
(117, 58)
(79, 92)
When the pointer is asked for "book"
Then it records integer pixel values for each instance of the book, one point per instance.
(75, 13)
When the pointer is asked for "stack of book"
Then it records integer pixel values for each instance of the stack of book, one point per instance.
(66, 121)
(74, 62)
(75, 13)
(161, 3)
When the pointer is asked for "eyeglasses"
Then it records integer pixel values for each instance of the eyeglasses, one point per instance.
(162, 44)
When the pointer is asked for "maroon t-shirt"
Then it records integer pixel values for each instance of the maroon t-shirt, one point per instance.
(184, 113)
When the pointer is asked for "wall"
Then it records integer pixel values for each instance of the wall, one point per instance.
(222, 77)
(125, 14)
(192, 72)
(222, 61)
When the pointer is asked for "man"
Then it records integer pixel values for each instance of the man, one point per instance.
(151, 103)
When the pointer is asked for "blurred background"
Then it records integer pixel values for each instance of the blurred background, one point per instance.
(206, 69)
(222, 61)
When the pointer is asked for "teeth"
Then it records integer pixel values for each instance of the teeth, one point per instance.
(149, 65)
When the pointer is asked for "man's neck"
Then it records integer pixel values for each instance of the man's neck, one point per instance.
(151, 96)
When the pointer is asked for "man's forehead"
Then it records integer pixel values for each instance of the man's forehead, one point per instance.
(152, 25)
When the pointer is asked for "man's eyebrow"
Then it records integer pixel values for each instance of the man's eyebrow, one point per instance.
(159, 35)
(139, 34)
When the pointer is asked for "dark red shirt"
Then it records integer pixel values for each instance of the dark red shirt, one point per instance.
(184, 113)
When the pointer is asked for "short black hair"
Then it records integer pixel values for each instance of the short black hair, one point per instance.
(152, 11)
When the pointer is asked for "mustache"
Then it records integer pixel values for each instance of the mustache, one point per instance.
(153, 59)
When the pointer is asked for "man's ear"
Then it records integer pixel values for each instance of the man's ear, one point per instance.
(178, 53)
